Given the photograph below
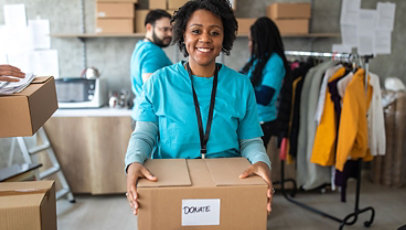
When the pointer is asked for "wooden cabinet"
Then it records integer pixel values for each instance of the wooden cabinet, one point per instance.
(91, 151)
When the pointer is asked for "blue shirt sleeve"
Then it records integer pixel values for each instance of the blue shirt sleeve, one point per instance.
(274, 72)
(154, 60)
(146, 111)
(141, 143)
(254, 151)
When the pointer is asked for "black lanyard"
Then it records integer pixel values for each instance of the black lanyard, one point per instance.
(204, 138)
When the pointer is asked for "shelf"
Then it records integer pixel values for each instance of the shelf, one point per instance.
(135, 35)
(141, 35)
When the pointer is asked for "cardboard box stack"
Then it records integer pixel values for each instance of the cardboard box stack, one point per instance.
(22, 114)
(244, 25)
(291, 18)
(201, 194)
(115, 16)
(28, 205)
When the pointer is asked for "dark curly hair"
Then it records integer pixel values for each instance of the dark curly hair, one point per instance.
(221, 8)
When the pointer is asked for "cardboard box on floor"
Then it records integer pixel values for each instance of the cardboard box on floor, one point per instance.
(244, 25)
(115, 10)
(22, 114)
(289, 10)
(115, 25)
(28, 205)
(292, 26)
(201, 194)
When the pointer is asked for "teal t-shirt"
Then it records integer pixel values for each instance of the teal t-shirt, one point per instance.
(272, 76)
(146, 58)
(167, 100)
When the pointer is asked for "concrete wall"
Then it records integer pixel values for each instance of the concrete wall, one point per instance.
(112, 55)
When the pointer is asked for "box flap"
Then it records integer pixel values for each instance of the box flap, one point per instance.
(226, 171)
(170, 172)
(40, 79)
(21, 188)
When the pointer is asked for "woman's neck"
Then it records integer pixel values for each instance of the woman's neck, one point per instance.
(202, 70)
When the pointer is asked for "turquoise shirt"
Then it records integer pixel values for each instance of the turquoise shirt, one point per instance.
(272, 76)
(146, 58)
(167, 100)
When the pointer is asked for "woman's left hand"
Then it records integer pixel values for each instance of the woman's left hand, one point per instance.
(261, 169)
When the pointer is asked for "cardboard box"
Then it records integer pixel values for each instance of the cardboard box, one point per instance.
(288, 10)
(157, 4)
(176, 4)
(115, 10)
(115, 25)
(22, 114)
(292, 26)
(201, 194)
(28, 205)
(133, 1)
(244, 25)
(139, 21)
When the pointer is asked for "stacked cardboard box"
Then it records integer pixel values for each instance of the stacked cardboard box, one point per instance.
(201, 194)
(28, 205)
(291, 18)
(244, 25)
(115, 16)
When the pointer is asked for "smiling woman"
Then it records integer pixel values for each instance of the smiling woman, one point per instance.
(199, 108)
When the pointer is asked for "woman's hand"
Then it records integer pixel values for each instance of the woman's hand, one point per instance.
(8, 70)
(134, 172)
(261, 169)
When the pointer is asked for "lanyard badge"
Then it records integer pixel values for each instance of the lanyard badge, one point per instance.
(204, 137)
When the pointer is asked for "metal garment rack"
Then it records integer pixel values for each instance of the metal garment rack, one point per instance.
(350, 218)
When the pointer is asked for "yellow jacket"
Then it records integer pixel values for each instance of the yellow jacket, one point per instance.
(353, 131)
(323, 152)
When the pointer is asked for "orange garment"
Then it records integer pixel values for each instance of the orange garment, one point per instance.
(323, 152)
(353, 130)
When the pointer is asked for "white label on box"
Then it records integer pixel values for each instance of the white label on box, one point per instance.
(200, 212)
(102, 14)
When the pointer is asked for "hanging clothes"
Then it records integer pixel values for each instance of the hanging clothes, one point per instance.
(353, 131)
(323, 152)
(376, 122)
(310, 175)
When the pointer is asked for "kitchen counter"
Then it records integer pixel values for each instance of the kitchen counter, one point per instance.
(96, 112)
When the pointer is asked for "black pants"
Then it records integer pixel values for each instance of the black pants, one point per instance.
(269, 130)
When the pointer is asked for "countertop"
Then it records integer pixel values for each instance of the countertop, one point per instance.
(94, 112)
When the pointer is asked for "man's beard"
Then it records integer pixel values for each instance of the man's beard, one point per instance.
(160, 42)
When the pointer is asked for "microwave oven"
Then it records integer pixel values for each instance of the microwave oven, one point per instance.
(80, 92)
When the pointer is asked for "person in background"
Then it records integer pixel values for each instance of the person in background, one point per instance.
(266, 68)
(10, 73)
(148, 55)
(182, 100)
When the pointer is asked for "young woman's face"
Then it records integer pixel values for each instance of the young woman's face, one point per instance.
(203, 37)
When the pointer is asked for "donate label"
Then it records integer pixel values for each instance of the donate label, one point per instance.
(200, 212)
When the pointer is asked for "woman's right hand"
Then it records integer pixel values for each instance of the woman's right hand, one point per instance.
(134, 172)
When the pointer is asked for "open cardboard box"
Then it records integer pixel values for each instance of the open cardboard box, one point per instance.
(22, 114)
(201, 194)
(28, 205)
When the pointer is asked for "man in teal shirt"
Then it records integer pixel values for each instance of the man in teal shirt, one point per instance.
(148, 55)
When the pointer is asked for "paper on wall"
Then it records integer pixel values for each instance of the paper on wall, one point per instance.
(383, 40)
(39, 34)
(349, 12)
(15, 40)
(386, 15)
(341, 48)
(45, 63)
(366, 31)
(14, 15)
(349, 35)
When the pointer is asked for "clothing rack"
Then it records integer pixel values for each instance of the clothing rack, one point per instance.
(350, 218)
